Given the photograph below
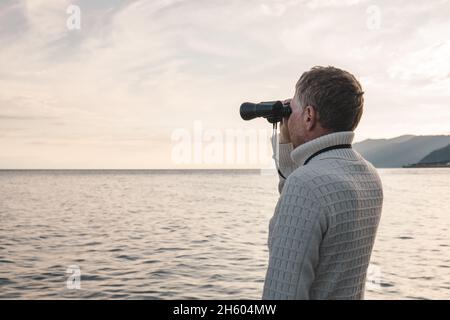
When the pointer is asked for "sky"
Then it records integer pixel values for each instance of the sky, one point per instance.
(120, 90)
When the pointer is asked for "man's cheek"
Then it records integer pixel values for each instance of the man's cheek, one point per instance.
(292, 125)
(293, 120)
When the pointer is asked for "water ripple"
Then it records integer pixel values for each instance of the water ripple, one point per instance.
(155, 236)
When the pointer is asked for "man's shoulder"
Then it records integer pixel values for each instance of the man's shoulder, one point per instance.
(317, 176)
(306, 179)
(311, 174)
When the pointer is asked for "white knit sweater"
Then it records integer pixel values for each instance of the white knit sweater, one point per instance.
(324, 226)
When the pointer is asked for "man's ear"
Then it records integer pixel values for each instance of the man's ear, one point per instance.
(310, 117)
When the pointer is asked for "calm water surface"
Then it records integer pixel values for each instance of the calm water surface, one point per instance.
(153, 235)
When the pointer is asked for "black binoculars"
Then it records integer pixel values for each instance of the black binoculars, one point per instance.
(273, 111)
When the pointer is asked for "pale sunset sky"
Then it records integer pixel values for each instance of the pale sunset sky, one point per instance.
(111, 94)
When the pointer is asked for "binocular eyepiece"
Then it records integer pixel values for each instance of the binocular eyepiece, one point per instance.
(273, 111)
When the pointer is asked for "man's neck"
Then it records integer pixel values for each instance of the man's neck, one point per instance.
(314, 135)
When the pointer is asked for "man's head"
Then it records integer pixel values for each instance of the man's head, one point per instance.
(326, 100)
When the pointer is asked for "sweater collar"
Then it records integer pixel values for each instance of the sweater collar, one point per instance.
(304, 151)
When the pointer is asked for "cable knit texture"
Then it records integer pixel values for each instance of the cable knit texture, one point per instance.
(323, 230)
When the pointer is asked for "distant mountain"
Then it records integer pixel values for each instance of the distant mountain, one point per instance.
(438, 156)
(400, 151)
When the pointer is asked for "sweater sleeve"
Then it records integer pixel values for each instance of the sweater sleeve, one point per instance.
(286, 165)
(294, 243)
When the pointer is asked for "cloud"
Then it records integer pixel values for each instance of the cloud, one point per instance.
(20, 117)
(159, 65)
(430, 64)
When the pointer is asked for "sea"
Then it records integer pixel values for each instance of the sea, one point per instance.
(195, 234)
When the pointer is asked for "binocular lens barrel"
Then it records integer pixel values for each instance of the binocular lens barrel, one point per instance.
(273, 111)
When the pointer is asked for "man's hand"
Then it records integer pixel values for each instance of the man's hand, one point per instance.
(284, 132)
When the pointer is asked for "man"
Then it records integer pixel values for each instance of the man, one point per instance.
(323, 230)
